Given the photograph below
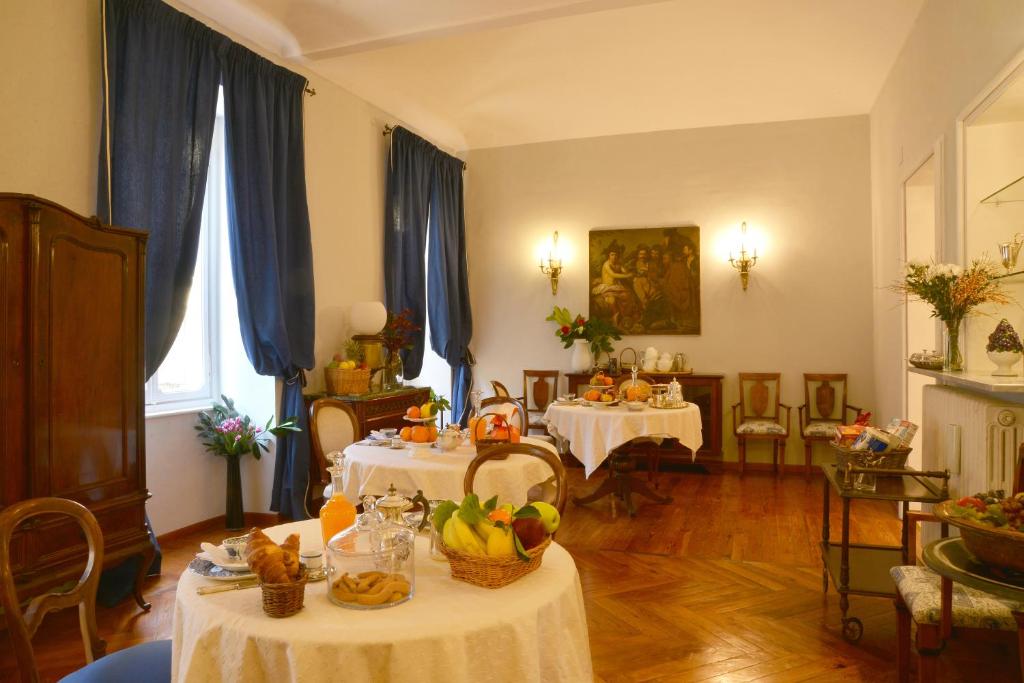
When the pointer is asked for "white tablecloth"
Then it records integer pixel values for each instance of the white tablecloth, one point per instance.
(534, 629)
(370, 470)
(595, 432)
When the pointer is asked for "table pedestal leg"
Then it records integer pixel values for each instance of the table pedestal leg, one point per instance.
(620, 483)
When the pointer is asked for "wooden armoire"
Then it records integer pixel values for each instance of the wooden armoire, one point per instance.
(71, 385)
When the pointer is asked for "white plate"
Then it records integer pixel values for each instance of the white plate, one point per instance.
(209, 570)
(420, 420)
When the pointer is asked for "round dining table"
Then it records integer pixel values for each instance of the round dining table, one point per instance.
(595, 431)
(534, 629)
(372, 469)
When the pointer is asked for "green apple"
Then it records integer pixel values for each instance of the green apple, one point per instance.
(548, 515)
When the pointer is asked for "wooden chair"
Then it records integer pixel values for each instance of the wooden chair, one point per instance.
(333, 426)
(821, 411)
(149, 661)
(556, 497)
(942, 610)
(540, 387)
(760, 413)
(507, 406)
(500, 390)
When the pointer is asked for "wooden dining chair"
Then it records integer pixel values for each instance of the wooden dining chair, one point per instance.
(824, 408)
(556, 495)
(507, 406)
(149, 661)
(540, 387)
(760, 416)
(500, 390)
(333, 426)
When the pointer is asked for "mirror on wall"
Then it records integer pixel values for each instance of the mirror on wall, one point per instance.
(992, 204)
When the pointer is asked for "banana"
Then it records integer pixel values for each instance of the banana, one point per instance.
(501, 543)
(485, 529)
(470, 542)
(449, 536)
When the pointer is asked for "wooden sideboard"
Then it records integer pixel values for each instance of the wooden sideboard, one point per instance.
(703, 390)
(380, 410)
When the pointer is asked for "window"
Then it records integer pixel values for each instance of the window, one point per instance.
(189, 377)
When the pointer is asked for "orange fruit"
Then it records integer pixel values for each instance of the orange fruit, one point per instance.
(608, 381)
(406, 433)
(413, 412)
(631, 393)
(420, 434)
(592, 395)
(431, 433)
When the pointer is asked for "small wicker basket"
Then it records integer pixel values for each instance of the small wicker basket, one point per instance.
(345, 382)
(284, 599)
(493, 572)
(891, 460)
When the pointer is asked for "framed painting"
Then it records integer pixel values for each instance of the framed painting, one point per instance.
(646, 280)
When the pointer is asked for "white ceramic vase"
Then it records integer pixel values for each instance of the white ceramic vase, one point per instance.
(1004, 360)
(580, 358)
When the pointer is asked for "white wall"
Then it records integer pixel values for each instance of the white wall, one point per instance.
(50, 121)
(954, 50)
(804, 185)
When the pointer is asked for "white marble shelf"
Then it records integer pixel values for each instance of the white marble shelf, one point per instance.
(976, 381)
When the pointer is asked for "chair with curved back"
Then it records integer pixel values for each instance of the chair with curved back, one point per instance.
(333, 426)
(824, 408)
(540, 387)
(507, 406)
(760, 416)
(149, 661)
(500, 390)
(561, 490)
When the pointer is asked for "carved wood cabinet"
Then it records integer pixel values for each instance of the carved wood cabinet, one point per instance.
(71, 385)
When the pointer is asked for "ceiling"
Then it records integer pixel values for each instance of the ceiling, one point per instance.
(1008, 107)
(484, 73)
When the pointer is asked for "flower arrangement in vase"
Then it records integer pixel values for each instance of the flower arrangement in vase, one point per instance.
(1004, 349)
(397, 335)
(953, 292)
(586, 338)
(230, 435)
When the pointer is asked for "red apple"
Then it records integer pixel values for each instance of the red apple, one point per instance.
(530, 530)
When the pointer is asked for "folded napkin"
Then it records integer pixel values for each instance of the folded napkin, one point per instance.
(217, 554)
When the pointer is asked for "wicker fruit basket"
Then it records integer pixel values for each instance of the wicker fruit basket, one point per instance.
(284, 599)
(344, 382)
(891, 460)
(493, 572)
(993, 546)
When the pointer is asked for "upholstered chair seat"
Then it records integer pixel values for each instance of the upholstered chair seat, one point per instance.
(920, 590)
(820, 430)
(760, 427)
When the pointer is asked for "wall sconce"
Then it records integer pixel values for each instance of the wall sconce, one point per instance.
(552, 267)
(744, 263)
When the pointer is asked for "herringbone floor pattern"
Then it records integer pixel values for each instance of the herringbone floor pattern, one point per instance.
(722, 585)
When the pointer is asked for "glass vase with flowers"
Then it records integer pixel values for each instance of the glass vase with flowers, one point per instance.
(953, 292)
(397, 336)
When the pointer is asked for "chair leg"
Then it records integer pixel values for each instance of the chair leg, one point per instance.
(653, 466)
(807, 460)
(782, 459)
(743, 455)
(929, 645)
(1019, 616)
(902, 640)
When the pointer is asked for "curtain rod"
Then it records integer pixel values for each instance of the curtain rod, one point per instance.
(310, 91)
(388, 128)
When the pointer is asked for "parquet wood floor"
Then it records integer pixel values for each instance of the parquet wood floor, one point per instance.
(722, 585)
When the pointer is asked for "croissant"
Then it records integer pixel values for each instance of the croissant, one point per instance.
(270, 561)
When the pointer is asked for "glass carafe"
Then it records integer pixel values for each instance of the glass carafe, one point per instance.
(372, 564)
(338, 513)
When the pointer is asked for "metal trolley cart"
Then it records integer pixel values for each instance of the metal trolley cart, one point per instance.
(860, 568)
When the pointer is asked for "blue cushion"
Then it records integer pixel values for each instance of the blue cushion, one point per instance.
(149, 662)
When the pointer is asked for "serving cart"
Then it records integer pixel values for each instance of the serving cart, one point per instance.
(861, 568)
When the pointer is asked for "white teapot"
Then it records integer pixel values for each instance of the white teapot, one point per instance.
(650, 359)
(664, 363)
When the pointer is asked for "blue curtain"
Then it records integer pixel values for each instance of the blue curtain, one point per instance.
(162, 74)
(407, 197)
(424, 200)
(271, 252)
(451, 321)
